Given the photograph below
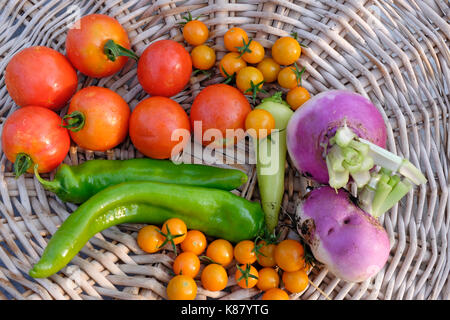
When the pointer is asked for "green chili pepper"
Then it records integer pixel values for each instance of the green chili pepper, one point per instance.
(78, 183)
(215, 212)
(271, 158)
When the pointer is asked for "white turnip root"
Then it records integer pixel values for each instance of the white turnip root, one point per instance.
(349, 241)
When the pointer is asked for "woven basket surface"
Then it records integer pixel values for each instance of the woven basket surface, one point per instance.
(395, 52)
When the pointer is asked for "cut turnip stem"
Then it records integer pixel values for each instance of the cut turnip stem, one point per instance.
(349, 241)
(351, 156)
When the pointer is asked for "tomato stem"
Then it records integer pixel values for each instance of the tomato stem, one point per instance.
(245, 48)
(75, 121)
(190, 18)
(114, 50)
(246, 274)
(22, 164)
(229, 77)
(169, 238)
(295, 36)
(255, 88)
(298, 74)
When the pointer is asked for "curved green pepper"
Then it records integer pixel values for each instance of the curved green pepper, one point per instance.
(215, 212)
(78, 183)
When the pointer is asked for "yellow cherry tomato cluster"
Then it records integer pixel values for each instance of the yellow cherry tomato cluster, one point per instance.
(237, 64)
(274, 268)
(196, 33)
(246, 63)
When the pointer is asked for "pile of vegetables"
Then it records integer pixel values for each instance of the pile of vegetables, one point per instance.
(338, 136)
(282, 267)
(335, 137)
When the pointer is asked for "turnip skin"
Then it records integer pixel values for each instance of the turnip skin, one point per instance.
(316, 122)
(350, 242)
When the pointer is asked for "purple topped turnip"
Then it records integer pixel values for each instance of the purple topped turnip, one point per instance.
(314, 124)
(350, 242)
(338, 135)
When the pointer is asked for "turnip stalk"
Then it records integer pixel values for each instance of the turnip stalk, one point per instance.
(339, 135)
(358, 157)
(271, 158)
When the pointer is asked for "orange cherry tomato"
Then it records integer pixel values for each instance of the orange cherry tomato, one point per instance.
(270, 69)
(181, 287)
(86, 42)
(266, 254)
(286, 51)
(249, 80)
(203, 57)
(267, 279)
(254, 52)
(223, 109)
(195, 32)
(234, 38)
(246, 276)
(259, 123)
(194, 242)
(214, 277)
(33, 135)
(97, 118)
(186, 263)
(153, 122)
(287, 78)
(244, 252)
(297, 97)
(289, 255)
(220, 251)
(275, 294)
(149, 239)
(296, 281)
(230, 64)
(164, 68)
(175, 229)
(40, 76)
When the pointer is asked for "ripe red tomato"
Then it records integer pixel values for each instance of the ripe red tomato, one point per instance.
(220, 107)
(40, 76)
(99, 119)
(164, 68)
(85, 45)
(152, 124)
(33, 135)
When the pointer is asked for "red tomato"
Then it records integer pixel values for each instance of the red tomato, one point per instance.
(105, 115)
(85, 45)
(35, 132)
(152, 124)
(164, 68)
(40, 76)
(220, 107)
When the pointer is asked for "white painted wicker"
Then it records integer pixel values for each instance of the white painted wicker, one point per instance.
(395, 52)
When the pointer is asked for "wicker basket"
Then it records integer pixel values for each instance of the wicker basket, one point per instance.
(395, 52)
